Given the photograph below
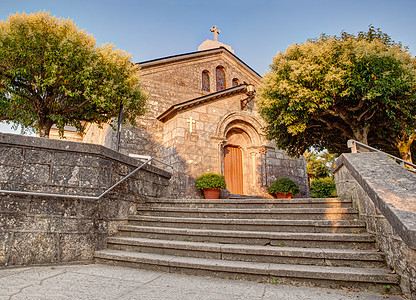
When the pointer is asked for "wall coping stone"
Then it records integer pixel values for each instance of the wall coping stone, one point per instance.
(391, 187)
(85, 148)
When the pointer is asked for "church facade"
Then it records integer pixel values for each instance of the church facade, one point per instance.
(202, 117)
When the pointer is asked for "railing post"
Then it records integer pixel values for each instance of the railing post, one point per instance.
(353, 146)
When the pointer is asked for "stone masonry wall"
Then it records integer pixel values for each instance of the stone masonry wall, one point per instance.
(200, 151)
(277, 164)
(385, 196)
(167, 85)
(48, 230)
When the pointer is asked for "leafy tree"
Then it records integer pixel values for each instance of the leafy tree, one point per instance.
(315, 167)
(330, 89)
(321, 180)
(318, 165)
(53, 73)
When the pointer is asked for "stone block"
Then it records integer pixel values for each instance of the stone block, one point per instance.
(38, 156)
(53, 206)
(67, 159)
(135, 186)
(80, 247)
(87, 209)
(121, 169)
(11, 156)
(35, 223)
(280, 155)
(11, 220)
(70, 224)
(94, 177)
(66, 175)
(95, 161)
(179, 132)
(35, 173)
(28, 248)
(10, 174)
(14, 203)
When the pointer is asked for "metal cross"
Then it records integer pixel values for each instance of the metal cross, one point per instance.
(216, 32)
(190, 121)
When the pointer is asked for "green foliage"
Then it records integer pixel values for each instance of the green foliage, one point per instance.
(323, 188)
(318, 165)
(333, 88)
(53, 73)
(284, 185)
(386, 289)
(210, 181)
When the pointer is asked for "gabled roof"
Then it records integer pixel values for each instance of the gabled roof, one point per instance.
(189, 103)
(193, 55)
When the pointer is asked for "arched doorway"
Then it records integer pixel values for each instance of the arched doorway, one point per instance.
(233, 169)
(234, 159)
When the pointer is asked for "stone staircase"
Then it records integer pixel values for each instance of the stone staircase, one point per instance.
(316, 242)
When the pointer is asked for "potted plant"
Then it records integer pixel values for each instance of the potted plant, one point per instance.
(284, 188)
(211, 185)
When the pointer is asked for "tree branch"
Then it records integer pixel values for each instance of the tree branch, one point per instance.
(74, 108)
(366, 111)
(331, 125)
(360, 104)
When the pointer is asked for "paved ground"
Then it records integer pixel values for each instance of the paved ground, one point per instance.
(107, 282)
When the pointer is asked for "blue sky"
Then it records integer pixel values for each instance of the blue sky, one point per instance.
(255, 29)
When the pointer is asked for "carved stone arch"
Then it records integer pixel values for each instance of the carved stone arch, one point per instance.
(240, 120)
(239, 151)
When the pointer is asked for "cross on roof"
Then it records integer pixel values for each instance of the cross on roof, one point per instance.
(216, 32)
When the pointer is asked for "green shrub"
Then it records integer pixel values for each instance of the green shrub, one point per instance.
(210, 181)
(284, 185)
(323, 188)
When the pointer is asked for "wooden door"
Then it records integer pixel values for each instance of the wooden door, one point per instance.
(233, 169)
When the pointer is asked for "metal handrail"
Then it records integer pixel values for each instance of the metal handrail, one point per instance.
(354, 149)
(81, 196)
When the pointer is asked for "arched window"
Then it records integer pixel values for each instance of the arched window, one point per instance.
(220, 78)
(235, 82)
(205, 81)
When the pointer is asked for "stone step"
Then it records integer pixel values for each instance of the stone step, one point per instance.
(251, 203)
(289, 239)
(238, 196)
(253, 253)
(259, 213)
(318, 226)
(335, 277)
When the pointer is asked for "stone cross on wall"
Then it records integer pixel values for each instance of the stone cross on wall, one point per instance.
(191, 122)
(216, 32)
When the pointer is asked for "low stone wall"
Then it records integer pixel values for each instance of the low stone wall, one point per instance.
(385, 195)
(48, 230)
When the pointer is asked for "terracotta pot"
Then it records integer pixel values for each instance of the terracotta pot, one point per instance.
(283, 196)
(211, 193)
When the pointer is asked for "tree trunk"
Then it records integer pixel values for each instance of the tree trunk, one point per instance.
(403, 145)
(361, 135)
(405, 154)
(44, 128)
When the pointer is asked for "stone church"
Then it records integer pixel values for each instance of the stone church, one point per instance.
(202, 117)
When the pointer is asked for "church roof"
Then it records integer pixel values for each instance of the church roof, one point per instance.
(189, 103)
(193, 55)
